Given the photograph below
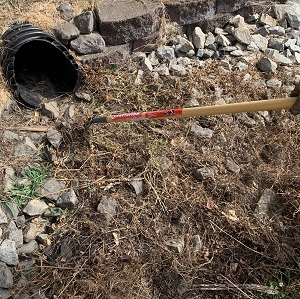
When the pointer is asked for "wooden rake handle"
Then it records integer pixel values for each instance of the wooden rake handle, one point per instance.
(271, 104)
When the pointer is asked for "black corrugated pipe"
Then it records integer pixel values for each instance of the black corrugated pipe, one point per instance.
(36, 65)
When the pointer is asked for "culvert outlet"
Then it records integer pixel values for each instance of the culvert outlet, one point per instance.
(36, 65)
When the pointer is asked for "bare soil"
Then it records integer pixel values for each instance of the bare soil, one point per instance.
(128, 258)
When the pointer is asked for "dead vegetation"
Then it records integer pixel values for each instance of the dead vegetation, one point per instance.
(128, 258)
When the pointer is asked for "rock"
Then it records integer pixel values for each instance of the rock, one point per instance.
(122, 21)
(30, 232)
(280, 10)
(197, 242)
(293, 19)
(162, 70)
(252, 47)
(271, 53)
(184, 61)
(205, 53)
(35, 207)
(260, 41)
(225, 64)
(50, 109)
(10, 136)
(210, 39)
(43, 239)
(65, 32)
(29, 247)
(229, 5)
(201, 132)
(84, 96)
(137, 185)
(185, 45)
(139, 77)
(27, 149)
(265, 19)
(294, 48)
(153, 59)
(165, 53)
(14, 234)
(192, 103)
(281, 59)
(177, 70)
(274, 83)
(246, 120)
(297, 57)
(6, 277)
(236, 21)
(237, 53)
(5, 294)
(222, 40)
(107, 208)
(9, 178)
(69, 111)
(232, 166)
(176, 245)
(190, 11)
(267, 65)
(264, 203)
(276, 30)
(242, 34)
(84, 22)
(199, 38)
(241, 66)
(8, 253)
(88, 43)
(146, 64)
(263, 31)
(66, 11)
(205, 172)
(3, 217)
(67, 200)
(11, 210)
(276, 43)
(52, 189)
(54, 137)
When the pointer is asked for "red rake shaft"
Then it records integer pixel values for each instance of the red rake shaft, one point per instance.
(272, 104)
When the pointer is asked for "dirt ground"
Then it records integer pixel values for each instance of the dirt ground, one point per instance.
(128, 258)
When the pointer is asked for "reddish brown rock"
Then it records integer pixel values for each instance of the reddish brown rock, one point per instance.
(122, 21)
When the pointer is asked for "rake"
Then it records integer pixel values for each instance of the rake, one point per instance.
(254, 106)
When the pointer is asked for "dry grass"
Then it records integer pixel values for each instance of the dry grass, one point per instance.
(128, 257)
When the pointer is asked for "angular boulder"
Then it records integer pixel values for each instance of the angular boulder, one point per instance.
(230, 5)
(122, 21)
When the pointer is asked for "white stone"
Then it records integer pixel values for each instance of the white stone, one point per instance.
(199, 38)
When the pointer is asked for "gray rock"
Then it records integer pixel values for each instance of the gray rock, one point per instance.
(191, 53)
(210, 39)
(205, 172)
(241, 66)
(297, 57)
(162, 70)
(6, 277)
(35, 207)
(3, 217)
(276, 30)
(30, 232)
(264, 203)
(281, 59)
(232, 166)
(293, 19)
(197, 242)
(294, 48)
(260, 41)
(274, 83)
(54, 137)
(66, 11)
(85, 22)
(9, 178)
(14, 234)
(185, 61)
(50, 109)
(222, 40)
(67, 200)
(88, 44)
(242, 34)
(265, 19)
(271, 53)
(137, 185)
(52, 189)
(11, 210)
(228, 49)
(246, 120)
(139, 77)
(84, 96)
(65, 32)
(229, 6)
(267, 65)
(27, 148)
(5, 294)
(8, 253)
(280, 10)
(10, 136)
(237, 53)
(28, 248)
(107, 208)
(237, 21)
(201, 132)
(263, 31)
(176, 245)
(205, 53)
(177, 70)
(276, 43)
(225, 64)
(252, 47)
(146, 64)
(165, 53)
(199, 38)
(185, 45)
